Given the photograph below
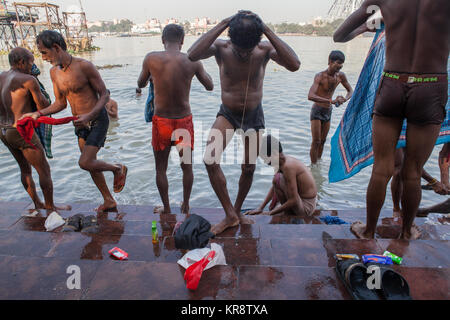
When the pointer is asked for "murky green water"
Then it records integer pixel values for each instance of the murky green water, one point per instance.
(129, 141)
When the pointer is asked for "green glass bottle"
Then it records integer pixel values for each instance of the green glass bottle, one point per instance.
(155, 238)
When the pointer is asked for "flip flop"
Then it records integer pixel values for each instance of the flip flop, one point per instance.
(393, 285)
(89, 224)
(354, 276)
(73, 223)
(119, 183)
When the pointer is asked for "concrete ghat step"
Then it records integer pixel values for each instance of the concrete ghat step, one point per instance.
(250, 251)
(45, 278)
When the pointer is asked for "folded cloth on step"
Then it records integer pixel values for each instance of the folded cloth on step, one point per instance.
(26, 126)
(332, 220)
(194, 233)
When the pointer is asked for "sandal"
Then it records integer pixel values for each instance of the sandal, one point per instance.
(73, 223)
(120, 180)
(354, 276)
(393, 285)
(89, 224)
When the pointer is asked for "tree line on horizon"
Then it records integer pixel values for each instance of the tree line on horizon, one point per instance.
(325, 29)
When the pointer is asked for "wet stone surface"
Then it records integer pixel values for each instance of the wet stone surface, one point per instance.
(280, 257)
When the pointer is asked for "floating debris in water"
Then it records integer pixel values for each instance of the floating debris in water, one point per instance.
(110, 66)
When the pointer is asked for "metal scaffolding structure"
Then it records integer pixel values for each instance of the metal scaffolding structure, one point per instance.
(77, 35)
(39, 16)
(341, 9)
(20, 25)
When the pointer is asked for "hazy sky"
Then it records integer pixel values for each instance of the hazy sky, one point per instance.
(140, 10)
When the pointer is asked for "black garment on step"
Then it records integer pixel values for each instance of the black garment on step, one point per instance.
(194, 233)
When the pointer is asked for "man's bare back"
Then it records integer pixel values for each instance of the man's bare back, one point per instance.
(172, 72)
(306, 185)
(16, 96)
(417, 34)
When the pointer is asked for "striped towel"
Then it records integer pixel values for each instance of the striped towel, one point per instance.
(44, 131)
(351, 145)
(150, 104)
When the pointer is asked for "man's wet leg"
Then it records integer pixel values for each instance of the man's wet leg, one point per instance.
(161, 162)
(420, 142)
(88, 162)
(325, 128)
(188, 179)
(27, 178)
(316, 140)
(397, 184)
(386, 132)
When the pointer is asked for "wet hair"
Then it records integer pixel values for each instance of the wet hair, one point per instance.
(49, 38)
(245, 31)
(173, 33)
(268, 142)
(337, 55)
(18, 54)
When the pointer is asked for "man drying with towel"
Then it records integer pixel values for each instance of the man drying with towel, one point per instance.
(78, 81)
(19, 93)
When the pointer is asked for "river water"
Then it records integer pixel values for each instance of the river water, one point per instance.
(129, 140)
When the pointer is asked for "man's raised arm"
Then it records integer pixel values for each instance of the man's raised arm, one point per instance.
(204, 47)
(282, 53)
(353, 26)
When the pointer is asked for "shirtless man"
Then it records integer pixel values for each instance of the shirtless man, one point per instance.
(19, 92)
(293, 185)
(78, 81)
(321, 93)
(242, 63)
(172, 73)
(414, 86)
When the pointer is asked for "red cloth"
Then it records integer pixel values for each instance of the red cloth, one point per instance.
(165, 129)
(26, 126)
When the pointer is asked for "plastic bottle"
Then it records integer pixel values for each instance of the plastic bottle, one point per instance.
(155, 238)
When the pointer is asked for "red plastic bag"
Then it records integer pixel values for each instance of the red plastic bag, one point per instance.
(194, 272)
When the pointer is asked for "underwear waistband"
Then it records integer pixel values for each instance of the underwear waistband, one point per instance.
(416, 78)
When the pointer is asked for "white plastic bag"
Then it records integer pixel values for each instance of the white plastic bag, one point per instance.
(53, 221)
(198, 254)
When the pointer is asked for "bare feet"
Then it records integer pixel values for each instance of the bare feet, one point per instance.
(185, 208)
(39, 205)
(359, 230)
(107, 206)
(245, 220)
(414, 234)
(160, 210)
(59, 208)
(225, 224)
(120, 178)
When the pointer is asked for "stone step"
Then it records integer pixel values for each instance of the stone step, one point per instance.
(33, 278)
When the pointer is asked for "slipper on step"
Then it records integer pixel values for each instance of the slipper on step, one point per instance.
(393, 285)
(89, 224)
(354, 276)
(73, 223)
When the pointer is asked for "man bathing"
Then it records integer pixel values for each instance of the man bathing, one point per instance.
(293, 185)
(242, 62)
(321, 93)
(78, 81)
(172, 73)
(414, 86)
(19, 93)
